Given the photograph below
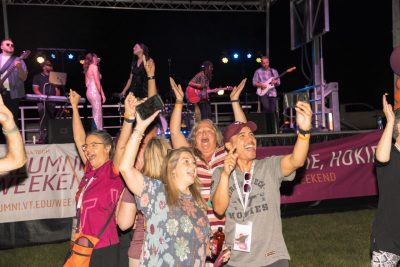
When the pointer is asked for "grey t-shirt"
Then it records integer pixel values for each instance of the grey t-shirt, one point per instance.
(263, 210)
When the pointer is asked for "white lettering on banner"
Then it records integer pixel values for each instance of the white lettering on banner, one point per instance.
(45, 187)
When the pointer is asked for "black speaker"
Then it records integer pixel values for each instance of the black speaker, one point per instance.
(266, 122)
(60, 130)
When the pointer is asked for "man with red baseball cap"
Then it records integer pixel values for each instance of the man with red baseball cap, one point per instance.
(246, 190)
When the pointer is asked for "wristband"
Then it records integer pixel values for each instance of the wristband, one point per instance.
(179, 101)
(237, 100)
(12, 130)
(303, 132)
(151, 77)
(129, 120)
(304, 138)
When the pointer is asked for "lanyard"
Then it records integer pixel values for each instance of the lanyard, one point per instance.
(246, 195)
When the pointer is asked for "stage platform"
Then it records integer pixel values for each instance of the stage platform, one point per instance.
(287, 139)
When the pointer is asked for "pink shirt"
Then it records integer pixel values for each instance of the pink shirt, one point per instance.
(98, 202)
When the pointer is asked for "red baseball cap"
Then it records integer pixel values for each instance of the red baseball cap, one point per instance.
(236, 127)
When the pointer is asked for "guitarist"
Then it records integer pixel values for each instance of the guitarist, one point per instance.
(13, 87)
(268, 100)
(202, 81)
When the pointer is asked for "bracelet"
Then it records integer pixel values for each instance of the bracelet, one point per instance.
(12, 130)
(304, 138)
(151, 77)
(237, 100)
(179, 101)
(138, 132)
(303, 132)
(129, 120)
(129, 116)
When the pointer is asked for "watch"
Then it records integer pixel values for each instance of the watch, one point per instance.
(303, 132)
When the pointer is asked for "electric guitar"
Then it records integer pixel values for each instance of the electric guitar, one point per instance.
(194, 95)
(11, 68)
(269, 85)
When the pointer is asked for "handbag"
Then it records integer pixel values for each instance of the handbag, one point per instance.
(81, 248)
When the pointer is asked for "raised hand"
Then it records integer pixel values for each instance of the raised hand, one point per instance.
(6, 117)
(235, 94)
(230, 161)
(387, 110)
(177, 90)
(143, 124)
(131, 102)
(149, 66)
(303, 115)
(74, 98)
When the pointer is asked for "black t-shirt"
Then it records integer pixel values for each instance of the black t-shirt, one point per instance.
(139, 80)
(45, 87)
(386, 227)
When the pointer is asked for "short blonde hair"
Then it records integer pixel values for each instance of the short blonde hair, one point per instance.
(154, 155)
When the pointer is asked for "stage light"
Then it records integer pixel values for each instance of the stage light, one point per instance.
(40, 59)
(225, 60)
(53, 56)
(258, 60)
(82, 61)
(70, 56)
(220, 92)
(249, 55)
(235, 55)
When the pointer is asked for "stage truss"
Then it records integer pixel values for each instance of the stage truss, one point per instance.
(170, 5)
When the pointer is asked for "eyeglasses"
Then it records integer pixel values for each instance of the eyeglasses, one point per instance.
(9, 44)
(91, 145)
(247, 183)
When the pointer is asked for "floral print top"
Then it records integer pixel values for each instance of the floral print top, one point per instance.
(174, 236)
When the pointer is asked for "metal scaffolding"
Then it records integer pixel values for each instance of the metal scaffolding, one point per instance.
(170, 5)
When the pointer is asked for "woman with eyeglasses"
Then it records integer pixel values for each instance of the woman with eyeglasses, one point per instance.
(100, 188)
(177, 228)
(94, 89)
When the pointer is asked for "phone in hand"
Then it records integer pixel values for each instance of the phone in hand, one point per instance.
(291, 99)
(151, 105)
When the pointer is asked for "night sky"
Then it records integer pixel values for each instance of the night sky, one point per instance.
(356, 50)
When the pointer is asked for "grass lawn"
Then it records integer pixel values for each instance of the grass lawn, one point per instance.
(336, 239)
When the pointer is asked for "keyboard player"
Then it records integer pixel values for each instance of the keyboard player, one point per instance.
(41, 86)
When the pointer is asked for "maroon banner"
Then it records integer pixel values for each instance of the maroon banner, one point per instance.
(339, 168)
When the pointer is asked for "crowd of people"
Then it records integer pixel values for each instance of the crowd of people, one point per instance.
(174, 194)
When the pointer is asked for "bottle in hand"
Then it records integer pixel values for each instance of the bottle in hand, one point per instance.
(217, 243)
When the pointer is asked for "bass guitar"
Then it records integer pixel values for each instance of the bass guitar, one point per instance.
(194, 95)
(269, 83)
(11, 68)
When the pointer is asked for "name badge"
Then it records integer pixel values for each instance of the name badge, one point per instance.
(242, 240)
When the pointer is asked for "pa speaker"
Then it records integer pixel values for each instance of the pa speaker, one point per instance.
(60, 130)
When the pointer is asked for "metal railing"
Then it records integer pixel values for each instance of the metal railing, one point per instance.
(222, 115)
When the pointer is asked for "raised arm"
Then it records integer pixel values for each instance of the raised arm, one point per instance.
(150, 68)
(220, 199)
(385, 143)
(16, 155)
(134, 178)
(178, 139)
(236, 107)
(129, 117)
(77, 127)
(296, 159)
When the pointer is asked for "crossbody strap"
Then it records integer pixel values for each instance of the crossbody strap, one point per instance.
(108, 221)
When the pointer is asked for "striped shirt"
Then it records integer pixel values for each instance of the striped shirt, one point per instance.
(204, 172)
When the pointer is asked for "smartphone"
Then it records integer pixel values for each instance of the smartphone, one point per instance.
(291, 99)
(151, 105)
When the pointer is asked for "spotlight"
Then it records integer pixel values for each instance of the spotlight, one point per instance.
(225, 60)
(220, 92)
(40, 59)
(235, 55)
(70, 56)
(82, 61)
(258, 60)
(53, 56)
(249, 55)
